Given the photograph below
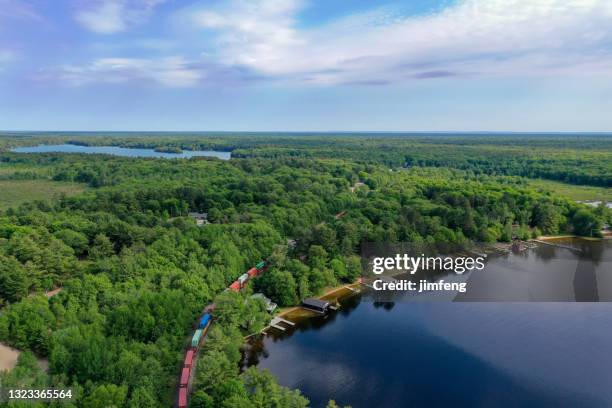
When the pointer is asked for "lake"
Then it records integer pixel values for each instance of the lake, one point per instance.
(121, 151)
(461, 354)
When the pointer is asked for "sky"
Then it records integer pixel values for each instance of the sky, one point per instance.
(305, 65)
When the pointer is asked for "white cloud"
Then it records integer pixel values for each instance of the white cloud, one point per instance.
(107, 18)
(245, 40)
(170, 71)
(113, 16)
(473, 37)
(262, 28)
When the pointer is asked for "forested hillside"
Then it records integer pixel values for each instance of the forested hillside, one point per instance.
(135, 271)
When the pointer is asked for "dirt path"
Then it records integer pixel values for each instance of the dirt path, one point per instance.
(53, 292)
(8, 357)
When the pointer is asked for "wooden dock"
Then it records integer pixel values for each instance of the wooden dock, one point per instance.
(367, 284)
(571, 248)
(275, 323)
(478, 254)
(383, 278)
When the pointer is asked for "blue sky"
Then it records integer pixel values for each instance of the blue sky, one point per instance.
(299, 65)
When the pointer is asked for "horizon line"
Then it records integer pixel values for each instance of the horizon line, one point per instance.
(502, 132)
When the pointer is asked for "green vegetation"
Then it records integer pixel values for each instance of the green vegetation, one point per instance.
(136, 271)
(576, 159)
(16, 192)
(219, 382)
(168, 149)
(574, 192)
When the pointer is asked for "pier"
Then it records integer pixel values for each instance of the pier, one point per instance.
(275, 323)
(383, 278)
(571, 248)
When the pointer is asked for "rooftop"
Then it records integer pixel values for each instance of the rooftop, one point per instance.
(318, 303)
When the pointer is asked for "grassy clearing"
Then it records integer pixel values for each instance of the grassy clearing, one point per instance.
(5, 170)
(15, 192)
(575, 192)
(9, 169)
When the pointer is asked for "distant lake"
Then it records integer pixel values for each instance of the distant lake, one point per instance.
(461, 354)
(121, 151)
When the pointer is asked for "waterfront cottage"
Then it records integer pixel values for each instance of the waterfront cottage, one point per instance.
(270, 305)
(200, 218)
(316, 305)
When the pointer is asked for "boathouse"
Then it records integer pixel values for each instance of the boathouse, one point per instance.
(316, 305)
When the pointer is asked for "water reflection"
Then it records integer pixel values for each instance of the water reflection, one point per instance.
(546, 273)
(393, 354)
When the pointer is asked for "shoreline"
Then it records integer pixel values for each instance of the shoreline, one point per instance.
(300, 312)
(330, 291)
(565, 236)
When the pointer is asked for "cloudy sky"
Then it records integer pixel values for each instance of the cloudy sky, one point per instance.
(442, 65)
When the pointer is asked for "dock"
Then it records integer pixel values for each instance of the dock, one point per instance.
(383, 278)
(275, 323)
(571, 248)
(476, 253)
(367, 284)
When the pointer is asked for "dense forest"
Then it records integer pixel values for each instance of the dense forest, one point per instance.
(577, 159)
(135, 271)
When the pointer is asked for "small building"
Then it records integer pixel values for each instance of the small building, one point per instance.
(356, 186)
(200, 218)
(316, 305)
(270, 305)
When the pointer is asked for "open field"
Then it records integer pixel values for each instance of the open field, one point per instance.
(8, 170)
(15, 192)
(575, 192)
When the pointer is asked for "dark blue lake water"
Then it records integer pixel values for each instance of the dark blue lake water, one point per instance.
(459, 354)
(121, 151)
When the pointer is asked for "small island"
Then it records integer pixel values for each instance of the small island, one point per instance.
(168, 149)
